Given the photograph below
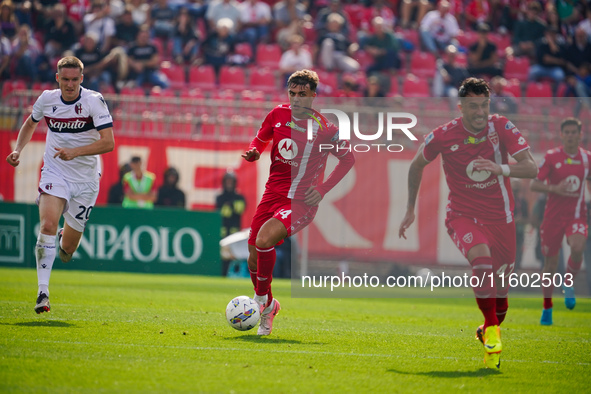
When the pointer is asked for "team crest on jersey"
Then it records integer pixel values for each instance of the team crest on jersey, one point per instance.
(78, 108)
(494, 138)
(288, 149)
(468, 238)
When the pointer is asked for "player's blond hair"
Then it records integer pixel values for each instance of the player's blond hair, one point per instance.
(70, 62)
(303, 78)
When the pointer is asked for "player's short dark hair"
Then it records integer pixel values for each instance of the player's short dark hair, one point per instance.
(475, 86)
(70, 62)
(303, 78)
(136, 159)
(568, 121)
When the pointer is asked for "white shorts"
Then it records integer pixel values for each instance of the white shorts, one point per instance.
(80, 197)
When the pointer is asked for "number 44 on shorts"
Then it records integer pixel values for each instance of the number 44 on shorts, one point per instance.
(284, 213)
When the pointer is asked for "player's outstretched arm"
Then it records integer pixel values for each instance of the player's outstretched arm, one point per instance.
(524, 168)
(415, 175)
(105, 144)
(562, 189)
(24, 136)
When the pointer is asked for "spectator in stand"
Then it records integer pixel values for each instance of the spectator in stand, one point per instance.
(586, 26)
(8, 21)
(502, 102)
(140, 11)
(569, 11)
(60, 34)
(25, 54)
(169, 195)
(126, 30)
(384, 47)
(335, 48)
(378, 8)
(162, 21)
(289, 16)
(334, 6)
(550, 58)
(295, 58)
(477, 12)
(96, 72)
(144, 61)
(223, 9)
(219, 44)
(23, 13)
(528, 31)
(5, 52)
(101, 24)
(374, 89)
(439, 28)
(553, 20)
(449, 75)
(116, 193)
(408, 7)
(578, 58)
(482, 55)
(76, 10)
(255, 22)
(185, 42)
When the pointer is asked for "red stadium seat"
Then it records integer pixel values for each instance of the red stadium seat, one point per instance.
(202, 77)
(422, 64)
(268, 55)
(517, 67)
(232, 78)
(412, 86)
(514, 87)
(262, 78)
(244, 49)
(468, 38)
(538, 89)
(356, 13)
(328, 83)
(412, 36)
(133, 100)
(175, 75)
(192, 101)
(163, 100)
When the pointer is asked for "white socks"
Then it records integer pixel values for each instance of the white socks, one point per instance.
(45, 255)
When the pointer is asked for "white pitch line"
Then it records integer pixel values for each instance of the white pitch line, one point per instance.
(225, 349)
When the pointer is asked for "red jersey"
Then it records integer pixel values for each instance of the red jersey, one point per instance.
(477, 194)
(296, 163)
(556, 167)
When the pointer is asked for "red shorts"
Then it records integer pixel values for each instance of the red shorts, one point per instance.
(467, 232)
(552, 233)
(294, 214)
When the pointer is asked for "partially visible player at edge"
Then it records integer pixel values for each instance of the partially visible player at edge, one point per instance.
(475, 149)
(80, 129)
(295, 187)
(562, 176)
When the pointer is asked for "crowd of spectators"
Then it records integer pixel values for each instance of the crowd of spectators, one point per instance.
(125, 42)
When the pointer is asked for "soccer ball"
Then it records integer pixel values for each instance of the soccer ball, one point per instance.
(243, 313)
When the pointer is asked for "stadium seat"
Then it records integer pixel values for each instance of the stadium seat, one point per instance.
(517, 67)
(163, 100)
(244, 49)
(268, 55)
(192, 101)
(356, 13)
(422, 64)
(514, 87)
(328, 83)
(226, 103)
(232, 77)
(538, 89)
(175, 74)
(412, 86)
(412, 36)
(467, 38)
(262, 78)
(251, 104)
(202, 77)
(133, 100)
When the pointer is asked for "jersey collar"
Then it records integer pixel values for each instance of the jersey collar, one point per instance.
(73, 101)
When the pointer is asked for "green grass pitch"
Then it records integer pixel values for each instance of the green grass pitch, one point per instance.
(115, 332)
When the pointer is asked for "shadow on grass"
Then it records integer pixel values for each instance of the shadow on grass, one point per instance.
(40, 323)
(264, 339)
(479, 373)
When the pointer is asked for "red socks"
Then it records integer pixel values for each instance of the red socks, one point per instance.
(486, 293)
(265, 264)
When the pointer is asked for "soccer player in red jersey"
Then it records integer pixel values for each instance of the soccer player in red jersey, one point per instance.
(475, 150)
(562, 176)
(295, 186)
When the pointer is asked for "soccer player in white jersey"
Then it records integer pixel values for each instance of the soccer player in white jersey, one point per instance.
(475, 150)
(80, 129)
